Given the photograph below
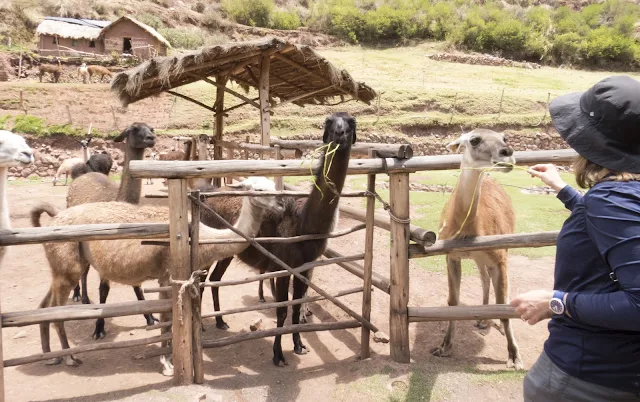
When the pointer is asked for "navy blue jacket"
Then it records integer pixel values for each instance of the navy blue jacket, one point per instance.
(600, 342)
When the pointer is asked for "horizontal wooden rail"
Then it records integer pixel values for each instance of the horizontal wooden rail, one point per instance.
(112, 231)
(381, 220)
(402, 151)
(267, 306)
(288, 154)
(541, 239)
(240, 168)
(297, 194)
(286, 240)
(269, 275)
(159, 325)
(377, 280)
(84, 312)
(456, 313)
(92, 347)
(330, 326)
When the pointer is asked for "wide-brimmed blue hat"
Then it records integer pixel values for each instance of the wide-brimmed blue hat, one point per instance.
(603, 123)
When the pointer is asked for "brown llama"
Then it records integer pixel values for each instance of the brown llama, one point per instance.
(316, 214)
(479, 207)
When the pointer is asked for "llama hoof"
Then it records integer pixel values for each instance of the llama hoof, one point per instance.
(515, 363)
(300, 350)
(483, 324)
(167, 366)
(308, 313)
(72, 361)
(76, 298)
(222, 325)
(303, 319)
(262, 299)
(441, 351)
(99, 334)
(279, 360)
(151, 320)
(53, 362)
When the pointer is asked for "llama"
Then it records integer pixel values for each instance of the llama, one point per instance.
(488, 212)
(153, 157)
(316, 214)
(55, 71)
(127, 261)
(99, 162)
(83, 72)
(13, 151)
(97, 187)
(98, 70)
(67, 165)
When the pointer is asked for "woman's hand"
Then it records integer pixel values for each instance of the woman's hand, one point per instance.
(549, 176)
(533, 306)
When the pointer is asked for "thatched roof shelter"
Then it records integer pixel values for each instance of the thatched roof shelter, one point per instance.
(70, 28)
(297, 74)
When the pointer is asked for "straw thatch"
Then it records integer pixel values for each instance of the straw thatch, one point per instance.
(146, 27)
(67, 30)
(295, 71)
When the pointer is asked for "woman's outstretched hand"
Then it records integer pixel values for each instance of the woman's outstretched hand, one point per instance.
(549, 176)
(533, 306)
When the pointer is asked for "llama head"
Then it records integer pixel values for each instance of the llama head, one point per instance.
(85, 143)
(256, 183)
(483, 148)
(138, 135)
(14, 150)
(340, 128)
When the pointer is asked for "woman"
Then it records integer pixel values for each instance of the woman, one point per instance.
(593, 350)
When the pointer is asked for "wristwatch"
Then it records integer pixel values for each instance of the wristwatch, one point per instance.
(556, 304)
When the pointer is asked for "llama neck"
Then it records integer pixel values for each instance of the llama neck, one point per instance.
(85, 154)
(248, 223)
(130, 188)
(465, 201)
(5, 222)
(320, 208)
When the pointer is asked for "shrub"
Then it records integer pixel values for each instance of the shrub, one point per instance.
(286, 20)
(604, 45)
(28, 124)
(389, 23)
(249, 12)
(3, 121)
(212, 19)
(347, 22)
(151, 20)
(183, 38)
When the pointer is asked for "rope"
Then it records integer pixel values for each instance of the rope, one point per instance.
(387, 208)
(192, 285)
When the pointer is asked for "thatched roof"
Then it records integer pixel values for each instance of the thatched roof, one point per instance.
(68, 29)
(146, 27)
(295, 71)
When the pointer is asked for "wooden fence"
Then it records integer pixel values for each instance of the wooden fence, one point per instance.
(186, 345)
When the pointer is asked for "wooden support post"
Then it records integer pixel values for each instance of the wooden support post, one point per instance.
(279, 180)
(69, 119)
(182, 345)
(265, 117)
(198, 361)
(399, 290)
(365, 334)
(217, 151)
(229, 180)
(246, 151)
(1, 367)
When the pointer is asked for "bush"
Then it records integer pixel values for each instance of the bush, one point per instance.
(605, 45)
(285, 20)
(3, 121)
(151, 20)
(249, 12)
(389, 23)
(212, 20)
(183, 38)
(347, 22)
(28, 124)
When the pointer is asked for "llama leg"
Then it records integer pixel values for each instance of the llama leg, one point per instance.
(299, 290)
(304, 309)
(140, 295)
(85, 289)
(282, 294)
(165, 360)
(501, 286)
(60, 293)
(99, 332)
(486, 284)
(45, 335)
(261, 292)
(216, 276)
(76, 293)
(454, 275)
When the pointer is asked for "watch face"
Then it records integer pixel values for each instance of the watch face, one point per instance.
(556, 306)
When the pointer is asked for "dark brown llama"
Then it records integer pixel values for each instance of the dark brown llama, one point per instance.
(316, 214)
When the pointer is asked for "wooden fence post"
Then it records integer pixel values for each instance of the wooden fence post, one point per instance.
(399, 289)
(279, 180)
(1, 367)
(198, 362)
(182, 345)
(229, 180)
(365, 335)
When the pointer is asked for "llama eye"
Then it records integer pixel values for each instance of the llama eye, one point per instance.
(475, 141)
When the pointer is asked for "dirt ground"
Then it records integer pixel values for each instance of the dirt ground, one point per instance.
(244, 372)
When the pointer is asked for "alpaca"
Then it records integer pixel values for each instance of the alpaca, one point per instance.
(13, 151)
(67, 165)
(489, 213)
(316, 214)
(55, 71)
(97, 187)
(83, 72)
(127, 261)
(98, 162)
(98, 70)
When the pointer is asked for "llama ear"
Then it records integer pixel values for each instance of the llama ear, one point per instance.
(123, 135)
(457, 145)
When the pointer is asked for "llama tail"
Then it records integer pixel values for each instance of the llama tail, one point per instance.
(37, 211)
